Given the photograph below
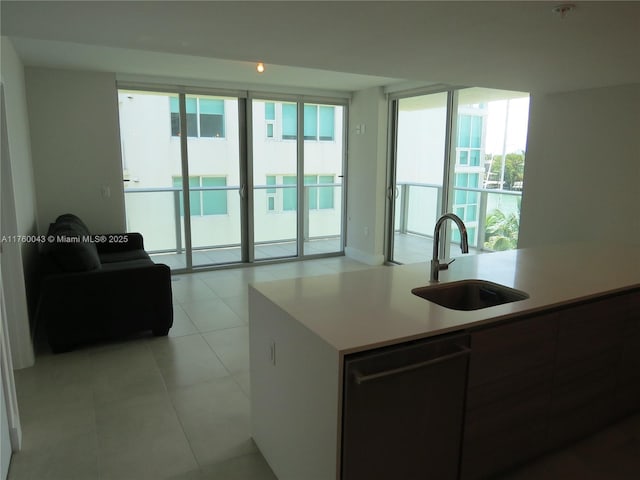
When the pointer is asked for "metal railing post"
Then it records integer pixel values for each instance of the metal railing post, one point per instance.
(482, 219)
(404, 207)
(305, 213)
(178, 223)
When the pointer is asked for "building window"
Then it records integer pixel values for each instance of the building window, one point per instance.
(289, 195)
(319, 122)
(469, 140)
(214, 202)
(289, 121)
(211, 117)
(174, 108)
(270, 118)
(310, 122)
(465, 201)
(327, 123)
(271, 193)
(320, 198)
(205, 117)
(204, 202)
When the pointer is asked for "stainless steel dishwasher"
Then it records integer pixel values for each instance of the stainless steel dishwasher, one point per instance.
(402, 410)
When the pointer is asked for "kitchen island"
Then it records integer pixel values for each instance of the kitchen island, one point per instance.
(303, 330)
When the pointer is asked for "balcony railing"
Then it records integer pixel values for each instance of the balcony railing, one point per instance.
(158, 213)
(418, 206)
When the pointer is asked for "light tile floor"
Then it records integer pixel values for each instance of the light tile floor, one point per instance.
(177, 407)
(611, 454)
(174, 407)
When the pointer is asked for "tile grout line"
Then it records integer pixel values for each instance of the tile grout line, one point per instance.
(175, 411)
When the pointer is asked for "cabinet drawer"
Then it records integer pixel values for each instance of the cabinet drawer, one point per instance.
(509, 394)
(629, 370)
(590, 328)
(512, 348)
(586, 381)
(508, 403)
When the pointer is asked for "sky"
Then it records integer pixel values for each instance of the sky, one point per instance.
(517, 131)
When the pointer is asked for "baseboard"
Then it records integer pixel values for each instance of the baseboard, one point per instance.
(15, 436)
(364, 257)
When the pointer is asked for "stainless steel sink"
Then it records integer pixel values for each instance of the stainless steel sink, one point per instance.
(469, 294)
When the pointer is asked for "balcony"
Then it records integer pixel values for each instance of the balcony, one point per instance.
(216, 230)
(156, 213)
(418, 206)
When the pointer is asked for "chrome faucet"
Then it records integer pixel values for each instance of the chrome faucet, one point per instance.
(464, 244)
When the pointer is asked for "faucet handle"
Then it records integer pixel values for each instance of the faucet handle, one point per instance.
(445, 265)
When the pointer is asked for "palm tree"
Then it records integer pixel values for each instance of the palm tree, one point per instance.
(501, 231)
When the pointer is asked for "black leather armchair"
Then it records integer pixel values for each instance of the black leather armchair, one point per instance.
(99, 287)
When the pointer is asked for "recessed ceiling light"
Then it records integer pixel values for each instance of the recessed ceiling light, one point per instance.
(260, 67)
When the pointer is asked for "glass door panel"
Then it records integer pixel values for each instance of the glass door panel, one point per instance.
(275, 177)
(151, 161)
(214, 179)
(491, 126)
(420, 160)
(323, 166)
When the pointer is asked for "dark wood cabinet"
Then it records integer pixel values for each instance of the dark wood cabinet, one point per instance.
(533, 383)
(543, 381)
(590, 343)
(628, 382)
(508, 394)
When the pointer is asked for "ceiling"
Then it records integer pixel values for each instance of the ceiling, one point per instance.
(337, 45)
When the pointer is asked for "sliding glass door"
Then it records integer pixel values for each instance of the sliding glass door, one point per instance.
(419, 174)
(151, 161)
(275, 179)
(214, 179)
(297, 179)
(322, 215)
(207, 187)
(459, 151)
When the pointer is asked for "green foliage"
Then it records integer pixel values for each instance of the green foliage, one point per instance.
(513, 170)
(501, 231)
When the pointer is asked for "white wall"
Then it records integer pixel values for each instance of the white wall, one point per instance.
(11, 430)
(366, 173)
(76, 146)
(582, 175)
(5, 440)
(18, 210)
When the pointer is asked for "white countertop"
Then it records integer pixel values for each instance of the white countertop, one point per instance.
(359, 310)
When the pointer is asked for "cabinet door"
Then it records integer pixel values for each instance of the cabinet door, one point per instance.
(629, 370)
(402, 411)
(509, 394)
(589, 349)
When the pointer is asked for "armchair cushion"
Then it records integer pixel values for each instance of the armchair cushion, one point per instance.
(70, 246)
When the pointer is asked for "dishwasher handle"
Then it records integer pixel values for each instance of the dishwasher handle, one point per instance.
(360, 379)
